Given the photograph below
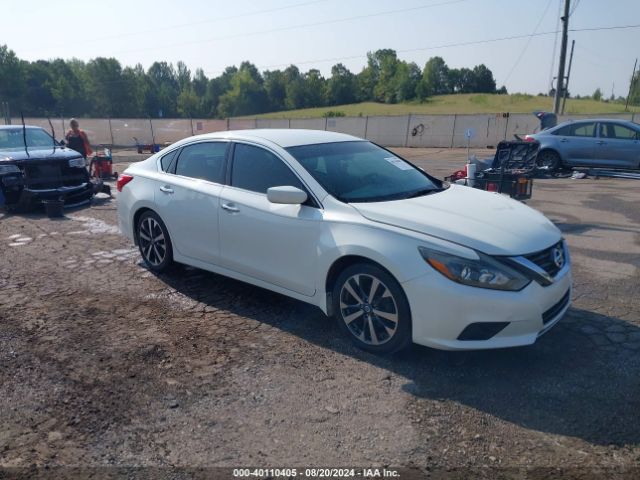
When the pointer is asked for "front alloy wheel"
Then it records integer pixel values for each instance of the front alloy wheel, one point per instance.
(372, 309)
(154, 242)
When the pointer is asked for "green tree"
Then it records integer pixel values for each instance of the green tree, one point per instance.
(462, 80)
(341, 87)
(483, 80)
(39, 95)
(435, 79)
(106, 89)
(183, 76)
(387, 62)
(275, 84)
(217, 87)
(315, 89)
(367, 79)
(295, 89)
(187, 103)
(68, 89)
(247, 94)
(406, 81)
(163, 90)
(597, 95)
(12, 78)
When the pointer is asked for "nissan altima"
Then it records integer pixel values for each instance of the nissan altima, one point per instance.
(394, 254)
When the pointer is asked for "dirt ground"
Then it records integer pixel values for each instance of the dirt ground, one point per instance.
(103, 364)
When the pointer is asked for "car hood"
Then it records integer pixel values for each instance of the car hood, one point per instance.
(489, 222)
(38, 154)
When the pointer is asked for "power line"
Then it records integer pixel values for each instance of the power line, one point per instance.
(597, 29)
(432, 47)
(436, 47)
(294, 27)
(575, 6)
(190, 24)
(526, 46)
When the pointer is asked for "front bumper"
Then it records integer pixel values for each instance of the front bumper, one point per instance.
(442, 310)
(72, 196)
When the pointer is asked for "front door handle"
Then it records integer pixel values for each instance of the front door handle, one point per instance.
(601, 142)
(230, 207)
(166, 189)
(564, 140)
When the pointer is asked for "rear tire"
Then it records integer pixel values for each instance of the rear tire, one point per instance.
(154, 242)
(372, 309)
(549, 159)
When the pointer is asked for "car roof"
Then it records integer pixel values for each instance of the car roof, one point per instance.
(284, 137)
(10, 127)
(610, 120)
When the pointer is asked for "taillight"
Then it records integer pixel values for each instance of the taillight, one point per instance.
(123, 179)
(529, 138)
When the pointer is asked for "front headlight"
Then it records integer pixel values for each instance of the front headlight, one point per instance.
(486, 272)
(9, 169)
(77, 162)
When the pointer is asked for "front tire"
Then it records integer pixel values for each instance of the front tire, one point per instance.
(154, 242)
(548, 159)
(372, 309)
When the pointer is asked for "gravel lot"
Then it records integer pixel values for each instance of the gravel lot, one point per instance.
(104, 364)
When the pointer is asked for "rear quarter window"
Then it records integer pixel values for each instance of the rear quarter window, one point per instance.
(165, 161)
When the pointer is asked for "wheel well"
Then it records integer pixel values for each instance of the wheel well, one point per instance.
(338, 267)
(552, 150)
(136, 217)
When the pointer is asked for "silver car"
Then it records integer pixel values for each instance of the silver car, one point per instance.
(603, 143)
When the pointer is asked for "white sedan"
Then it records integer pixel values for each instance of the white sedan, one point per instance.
(336, 221)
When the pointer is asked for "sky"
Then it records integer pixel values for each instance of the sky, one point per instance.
(272, 34)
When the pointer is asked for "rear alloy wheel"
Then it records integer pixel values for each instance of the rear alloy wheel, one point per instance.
(154, 242)
(548, 159)
(371, 309)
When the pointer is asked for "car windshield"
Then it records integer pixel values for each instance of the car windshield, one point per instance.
(12, 138)
(360, 171)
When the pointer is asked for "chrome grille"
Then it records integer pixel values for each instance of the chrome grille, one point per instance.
(544, 259)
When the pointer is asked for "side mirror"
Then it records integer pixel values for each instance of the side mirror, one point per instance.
(286, 195)
(62, 142)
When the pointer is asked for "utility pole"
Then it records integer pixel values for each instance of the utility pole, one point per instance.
(566, 87)
(563, 58)
(633, 76)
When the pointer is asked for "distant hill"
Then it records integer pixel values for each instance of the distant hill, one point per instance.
(459, 103)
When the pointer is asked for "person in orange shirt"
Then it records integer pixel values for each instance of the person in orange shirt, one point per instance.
(77, 139)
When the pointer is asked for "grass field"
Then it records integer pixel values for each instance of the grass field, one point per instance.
(449, 104)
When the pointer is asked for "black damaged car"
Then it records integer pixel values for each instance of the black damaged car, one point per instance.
(35, 168)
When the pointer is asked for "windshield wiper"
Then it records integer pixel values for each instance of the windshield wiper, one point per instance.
(422, 192)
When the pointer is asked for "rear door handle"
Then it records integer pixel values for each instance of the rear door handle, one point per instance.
(166, 189)
(230, 207)
(564, 140)
(601, 142)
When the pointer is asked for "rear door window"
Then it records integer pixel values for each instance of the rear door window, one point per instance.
(577, 130)
(204, 160)
(583, 130)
